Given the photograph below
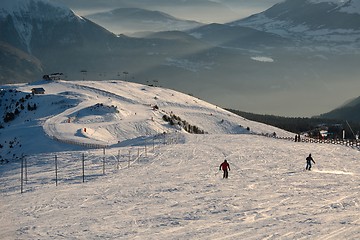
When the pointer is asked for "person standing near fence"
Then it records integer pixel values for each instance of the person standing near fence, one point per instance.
(225, 167)
(309, 159)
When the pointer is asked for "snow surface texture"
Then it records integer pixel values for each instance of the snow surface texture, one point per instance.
(174, 190)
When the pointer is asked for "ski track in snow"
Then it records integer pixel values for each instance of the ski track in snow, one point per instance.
(174, 194)
(177, 190)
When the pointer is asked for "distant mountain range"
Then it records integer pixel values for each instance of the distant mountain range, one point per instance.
(248, 65)
(130, 20)
(199, 10)
(63, 41)
(237, 36)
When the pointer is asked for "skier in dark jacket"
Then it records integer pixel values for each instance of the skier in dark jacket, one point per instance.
(309, 159)
(225, 166)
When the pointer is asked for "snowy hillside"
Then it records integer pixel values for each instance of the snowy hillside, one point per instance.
(105, 113)
(169, 191)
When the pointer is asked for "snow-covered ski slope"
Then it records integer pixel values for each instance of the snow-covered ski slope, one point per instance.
(176, 190)
(105, 113)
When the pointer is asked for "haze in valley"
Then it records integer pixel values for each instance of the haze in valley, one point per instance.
(294, 58)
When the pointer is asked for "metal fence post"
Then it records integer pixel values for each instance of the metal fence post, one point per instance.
(104, 161)
(26, 178)
(22, 174)
(83, 166)
(56, 171)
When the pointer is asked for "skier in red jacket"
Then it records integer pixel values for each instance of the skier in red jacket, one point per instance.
(225, 166)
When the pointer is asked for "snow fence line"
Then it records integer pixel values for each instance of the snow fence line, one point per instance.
(70, 169)
(62, 168)
(167, 138)
(345, 142)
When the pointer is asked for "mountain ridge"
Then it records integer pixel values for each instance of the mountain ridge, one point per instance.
(349, 111)
(130, 20)
(318, 23)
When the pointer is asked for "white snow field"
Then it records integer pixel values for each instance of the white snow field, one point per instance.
(166, 191)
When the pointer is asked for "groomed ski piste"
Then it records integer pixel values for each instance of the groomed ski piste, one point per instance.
(172, 187)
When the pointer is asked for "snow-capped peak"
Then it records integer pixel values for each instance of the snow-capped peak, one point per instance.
(323, 23)
(34, 9)
(30, 15)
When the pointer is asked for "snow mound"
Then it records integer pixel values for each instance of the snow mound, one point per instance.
(96, 114)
